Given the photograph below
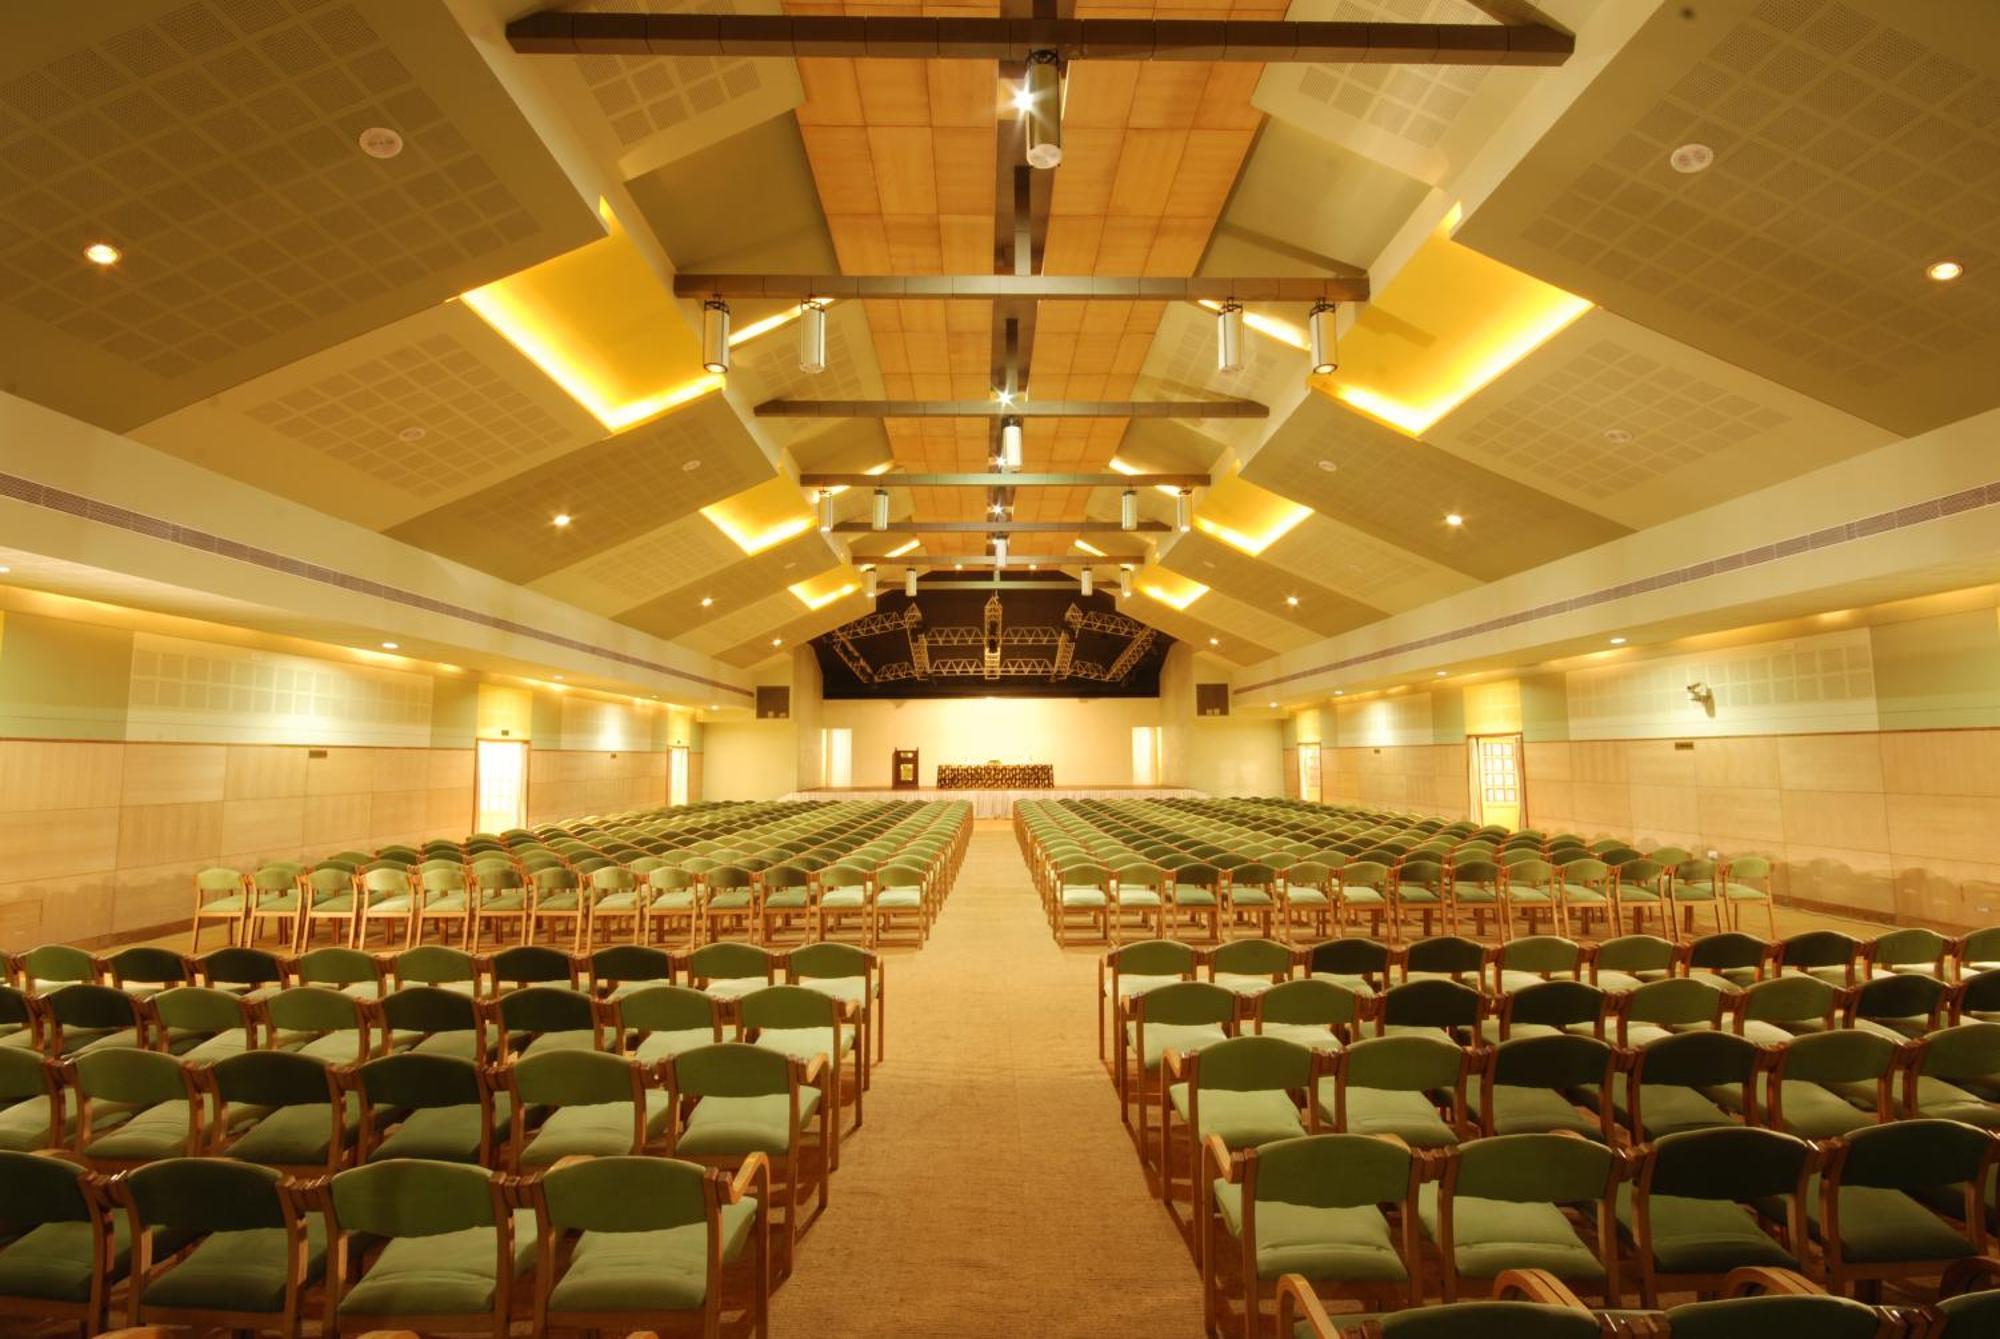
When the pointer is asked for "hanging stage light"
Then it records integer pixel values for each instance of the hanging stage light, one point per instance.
(1010, 445)
(1041, 117)
(812, 336)
(1125, 584)
(715, 335)
(1128, 510)
(868, 584)
(1323, 338)
(999, 551)
(825, 512)
(1184, 511)
(1089, 582)
(910, 583)
(878, 518)
(1229, 337)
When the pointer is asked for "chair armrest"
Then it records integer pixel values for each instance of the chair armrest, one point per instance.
(1298, 1303)
(1536, 1285)
(1228, 1165)
(1172, 1066)
(755, 1167)
(1752, 1280)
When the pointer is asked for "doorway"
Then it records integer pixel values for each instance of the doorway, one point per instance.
(1499, 795)
(1309, 779)
(499, 785)
(677, 775)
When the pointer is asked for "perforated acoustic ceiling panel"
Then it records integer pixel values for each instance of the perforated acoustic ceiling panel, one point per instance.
(1360, 566)
(641, 96)
(185, 689)
(1854, 145)
(1252, 581)
(767, 368)
(674, 606)
(640, 569)
(216, 144)
(1181, 365)
(1813, 683)
(1417, 103)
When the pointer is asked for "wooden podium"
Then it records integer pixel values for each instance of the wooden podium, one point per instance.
(903, 771)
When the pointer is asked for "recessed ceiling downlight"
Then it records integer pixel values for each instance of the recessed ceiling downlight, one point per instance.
(1691, 158)
(1618, 436)
(102, 253)
(381, 142)
(1944, 271)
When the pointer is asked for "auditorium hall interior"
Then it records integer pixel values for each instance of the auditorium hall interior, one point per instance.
(1344, 654)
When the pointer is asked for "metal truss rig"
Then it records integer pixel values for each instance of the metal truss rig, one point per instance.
(992, 639)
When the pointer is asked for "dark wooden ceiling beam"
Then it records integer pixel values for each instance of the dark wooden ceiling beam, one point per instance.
(812, 479)
(577, 33)
(1346, 287)
(997, 528)
(1019, 409)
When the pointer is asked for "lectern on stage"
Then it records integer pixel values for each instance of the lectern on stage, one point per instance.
(905, 771)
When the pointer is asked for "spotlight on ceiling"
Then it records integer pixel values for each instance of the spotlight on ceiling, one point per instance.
(910, 583)
(1292, 600)
(825, 512)
(868, 585)
(1089, 582)
(1618, 641)
(1128, 510)
(390, 646)
(878, 516)
(1215, 641)
(1184, 510)
(560, 520)
(1944, 271)
(715, 336)
(707, 600)
(812, 336)
(103, 253)
(1453, 519)
(1229, 337)
(999, 552)
(777, 641)
(1125, 584)
(1042, 117)
(1323, 339)
(1010, 445)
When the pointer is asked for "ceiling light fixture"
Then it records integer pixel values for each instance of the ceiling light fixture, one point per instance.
(103, 253)
(878, 516)
(413, 433)
(1041, 119)
(910, 583)
(1010, 445)
(1229, 337)
(825, 512)
(812, 336)
(1128, 509)
(380, 142)
(999, 551)
(715, 336)
(1618, 641)
(777, 641)
(1944, 271)
(1328, 466)
(557, 677)
(1440, 674)
(868, 584)
(389, 646)
(1292, 600)
(707, 600)
(1272, 705)
(958, 567)
(1184, 511)
(1453, 519)
(1005, 397)
(1088, 583)
(1215, 641)
(1691, 158)
(1323, 338)
(1125, 583)
(907, 546)
(1339, 692)
(5, 570)
(560, 520)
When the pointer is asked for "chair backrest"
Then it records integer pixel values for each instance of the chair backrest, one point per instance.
(1967, 1051)
(127, 1074)
(1556, 1004)
(201, 1009)
(1788, 999)
(788, 1007)
(1840, 1055)
(239, 966)
(1818, 948)
(429, 1010)
(92, 1006)
(206, 1195)
(1550, 955)
(1918, 1154)
(1152, 957)
(1404, 1064)
(1186, 1003)
(1252, 957)
(533, 964)
(1634, 953)
(36, 1189)
(417, 1079)
(625, 1194)
(1677, 1001)
(1911, 947)
(434, 964)
(1696, 1060)
(1309, 1002)
(1431, 1003)
(730, 1069)
(574, 1078)
(1820, 1315)
(667, 1009)
(731, 962)
(408, 1197)
(828, 961)
(152, 966)
(1560, 1060)
(1732, 949)
(1349, 957)
(1732, 1162)
(58, 962)
(546, 1009)
(275, 1079)
(630, 962)
(1253, 1064)
(1532, 1169)
(336, 967)
(1453, 954)
(1332, 1171)
(313, 1009)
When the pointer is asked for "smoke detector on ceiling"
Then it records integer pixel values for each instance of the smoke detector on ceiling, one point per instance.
(413, 433)
(690, 466)
(1617, 436)
(1691, 158)
(1328, 466)
(381, 142)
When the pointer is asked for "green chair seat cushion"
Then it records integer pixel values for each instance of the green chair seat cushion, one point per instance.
(1360, 985)
(787, 899)
(160, 1131)
(1879, 1226)
(1592, 897)
(595, 1129)
(239, 1271)
(899, 899)
(1307, 897)
(444, 1274)
(1193, 895)
(1519, 1110)
(208, 1050)
(1350, 1245)
(1241, 1119)
(1668, 1109)
(459, 1043)
(1084, 895)
(848, 989)
(672, 899)
(1947, 1101)
(566, 1039)
(52, 1261)
(1492, 1236)
(663, 1270)
(1819, 1316)
(443, 1134)
(731, 1126)
(1250, 897)
(843, 899)
(335, 1048)
(512, 899)
(24, 1126)
(1244, 983)
(1139, 897)
(659, 1046)
(1319, 1036)
(1411, 1116)
(1131, 987)
(1813, 1112)
(1743, 892)
(297, 1134)
(730, 899)
(1617, 981)
(1695, 1236)
(803, 1043)
(1163, 1037)
(734, 987)
(77, 1040)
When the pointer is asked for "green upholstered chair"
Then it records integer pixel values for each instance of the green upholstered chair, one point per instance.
(1830, 955)
(652, 1239)
(1445, 957)
(1745, 881)
(1250, 966)
(47, 968)
(849, 974)
(20, 1020)
(1667, 1008)
(522, 965)
(146, 969)
(1364, 887)
(1870, 1209)
(219, 1244)
(86, 1017)
(435, 1020)
(241, 970)
(655, 1022)
(1081, 892)
(62, 1250)
(33, 1112)
(221, 897)
(331, 901)
(728, 899)
(1531, 960)
(620, 969)
(1728, 961)
(1827, 1084)
(1505, 1203)
(749, 1100)
(1512, 1314)
(204, 1024)
(1311, 1012)
(1412, 1087)
(419, 1105)
(803, 1023)
(556, 900)
(579, 1103)
(844, 890)
(1913, 950)
(1361, 965)
(1310, 1206)
(1695, 1211)
(1433, 1007)
(440, 966)
(499, 899)
(1545, 1084)
(1129, 971)
(1630, 961)
(454, 1255)
(1900, 1006)
(1250, 892)
(617, 904)
(1242, 1092)
(1773, 1011)
(538, 1019)
(325, 1024)
(1672, 1085)
(1800, 1309)
(1977, 999)
(729, 970)
(1306, 897)
(1183, 1016)
(1955, 1075)
(274, 893)
(134, 1106)
(347, 970)
(1546, 1008)
(285, 1109)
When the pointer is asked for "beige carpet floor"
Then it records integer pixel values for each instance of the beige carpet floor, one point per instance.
(992, 1190)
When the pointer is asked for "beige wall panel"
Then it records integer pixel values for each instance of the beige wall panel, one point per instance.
(1751, 813)
(1950, 827)
(449, 769)
(400, 769)
(39, 911)
(1848, 820)
(1600, 808)
(1656, 762)
(57, 842)
(266, 826)
(58, 774)
(1830, 762)
(1602, 761)
(156, 834)
(1941, 762)
(21, 914)
(174, 773)
(341, 771)
(448, 811)
(155, 896)
(1736, 763)
(392, 812)
(265, 771)
(1547, 762)
(1550, 803)
(1665, 815)
(335, 820)
(1853, 880)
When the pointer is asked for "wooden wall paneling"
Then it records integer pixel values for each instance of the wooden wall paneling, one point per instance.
(264, 771)
(158, 834)
(173, 773)
(59, 774)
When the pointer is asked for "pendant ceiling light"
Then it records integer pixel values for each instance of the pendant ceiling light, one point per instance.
(825, 512)
(868, 583)
(999, 551)
(1089, 581)
(1229, 337)
(878, 517)
(715, 335)
(812, 336)
(910, 583)
(1184, 511)
(1125, 583)
(1010, 445)
(1128, 510)
(1323, 339)
(1041, 109)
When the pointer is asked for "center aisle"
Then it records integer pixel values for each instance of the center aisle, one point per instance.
(992, 1190)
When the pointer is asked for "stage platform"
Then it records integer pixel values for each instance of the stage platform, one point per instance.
(998, 803)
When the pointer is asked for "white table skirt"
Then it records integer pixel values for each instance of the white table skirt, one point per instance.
(1000, 803)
